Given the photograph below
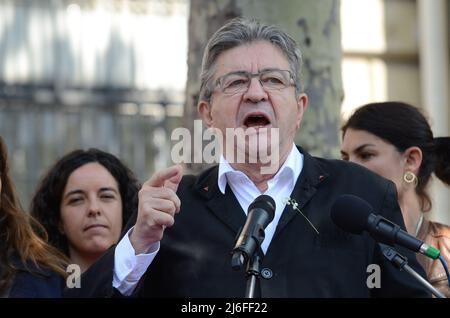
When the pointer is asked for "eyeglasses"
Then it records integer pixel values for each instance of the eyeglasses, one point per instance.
(270, 79)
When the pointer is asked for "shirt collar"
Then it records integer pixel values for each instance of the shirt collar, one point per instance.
(290, 169)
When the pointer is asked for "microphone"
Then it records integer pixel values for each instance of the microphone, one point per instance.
(260, 213)
(355, 215)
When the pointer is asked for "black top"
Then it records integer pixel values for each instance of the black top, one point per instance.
(35, 282)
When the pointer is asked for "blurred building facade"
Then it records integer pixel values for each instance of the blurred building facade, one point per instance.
(90, 73)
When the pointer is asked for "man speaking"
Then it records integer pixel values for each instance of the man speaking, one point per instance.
(179, 244)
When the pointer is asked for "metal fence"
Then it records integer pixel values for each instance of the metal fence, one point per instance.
(90, 73)
(37, 134)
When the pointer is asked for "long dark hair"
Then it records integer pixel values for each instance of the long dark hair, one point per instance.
(46, 202)
(18, 237)
(404, 126)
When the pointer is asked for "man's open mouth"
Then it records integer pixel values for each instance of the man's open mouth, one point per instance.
(256, 120)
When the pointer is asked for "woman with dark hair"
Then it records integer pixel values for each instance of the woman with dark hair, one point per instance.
(395, 140)
(84, 201)
(29, 267)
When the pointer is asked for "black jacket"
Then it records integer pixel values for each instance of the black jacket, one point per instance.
(194, 259)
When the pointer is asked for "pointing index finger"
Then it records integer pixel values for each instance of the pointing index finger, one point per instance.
(169, 177)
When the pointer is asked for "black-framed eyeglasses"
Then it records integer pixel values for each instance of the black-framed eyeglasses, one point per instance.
(270, 79)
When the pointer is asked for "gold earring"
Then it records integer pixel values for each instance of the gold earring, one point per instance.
(410, 177)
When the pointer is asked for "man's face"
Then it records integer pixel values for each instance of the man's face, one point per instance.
(255, 107)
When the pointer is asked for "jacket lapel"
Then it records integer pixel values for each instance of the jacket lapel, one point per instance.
(224, 206)
(227, 208)
(306, 186)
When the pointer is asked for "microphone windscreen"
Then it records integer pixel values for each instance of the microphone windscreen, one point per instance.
(351, 213)
(266, 203)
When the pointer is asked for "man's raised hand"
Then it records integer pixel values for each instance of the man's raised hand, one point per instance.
(158, 204)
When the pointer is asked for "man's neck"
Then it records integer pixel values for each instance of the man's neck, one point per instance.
(253, 171)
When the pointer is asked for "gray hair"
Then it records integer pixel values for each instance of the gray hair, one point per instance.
(240, 31)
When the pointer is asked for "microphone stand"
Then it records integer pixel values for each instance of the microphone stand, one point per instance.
(253, 272)
(401, 262)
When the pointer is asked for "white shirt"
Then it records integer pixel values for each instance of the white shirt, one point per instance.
(279, 187)
(129, 267)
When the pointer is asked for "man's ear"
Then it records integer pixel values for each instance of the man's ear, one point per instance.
(413, 159)
(204, 109)
(302, 104)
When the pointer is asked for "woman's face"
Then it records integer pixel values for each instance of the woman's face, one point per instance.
(91, 210)
(374, 153)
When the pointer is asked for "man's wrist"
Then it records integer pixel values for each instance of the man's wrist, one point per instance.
(139, 246)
